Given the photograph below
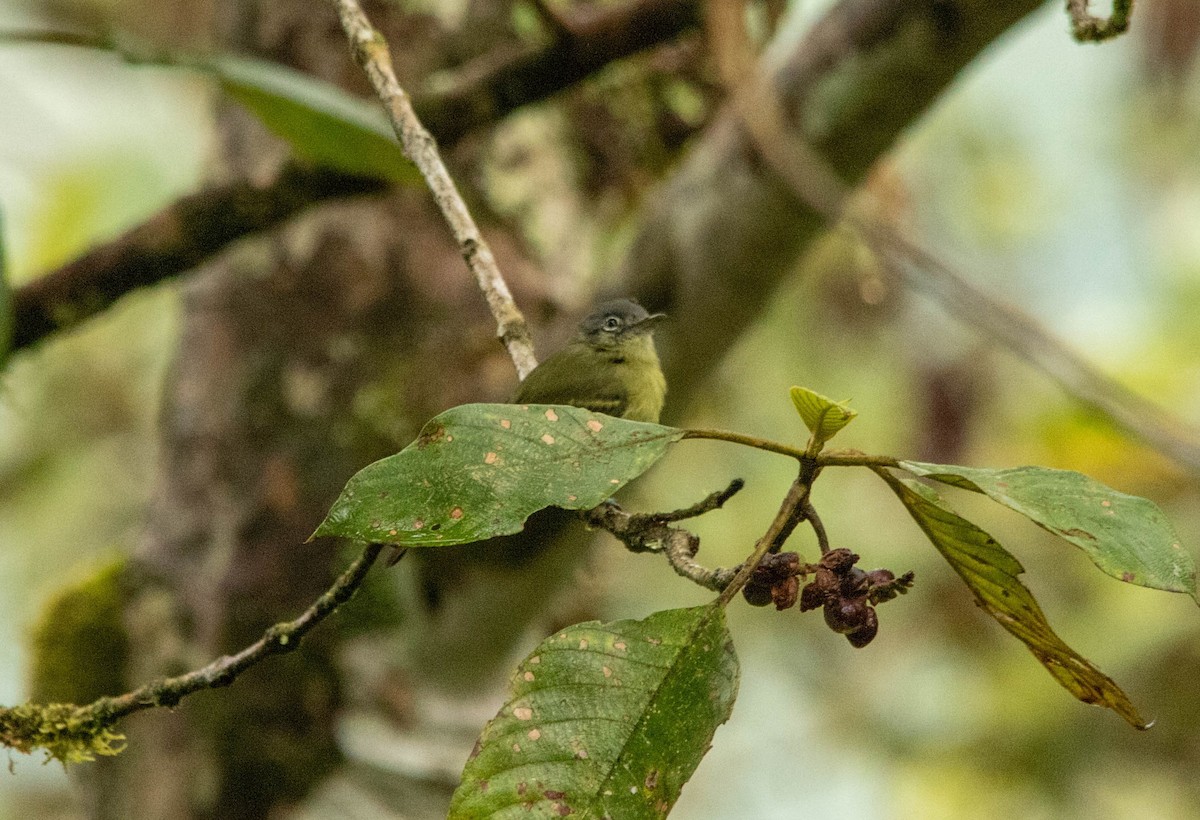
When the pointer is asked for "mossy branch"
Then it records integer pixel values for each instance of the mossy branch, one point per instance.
(71, 733)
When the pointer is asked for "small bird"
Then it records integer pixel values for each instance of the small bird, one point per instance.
(610, 366)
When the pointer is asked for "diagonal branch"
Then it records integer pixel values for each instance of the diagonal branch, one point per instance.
(650, 532)
(371, 52)
(815, 184)
(177, 239)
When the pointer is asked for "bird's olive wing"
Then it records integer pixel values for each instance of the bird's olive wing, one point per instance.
(575, 376)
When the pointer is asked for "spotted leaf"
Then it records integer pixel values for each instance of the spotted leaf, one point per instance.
(479, 470)
(605, 720)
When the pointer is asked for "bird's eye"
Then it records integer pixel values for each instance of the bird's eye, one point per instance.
(612, 323)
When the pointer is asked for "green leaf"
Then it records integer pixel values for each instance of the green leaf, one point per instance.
(605, 720)
(1125, 536)
(322, 123)
(6, 308)
(822, 416)
(990, 571)
(479, 470)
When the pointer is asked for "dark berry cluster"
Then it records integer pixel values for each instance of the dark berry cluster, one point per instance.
(847, 594)
(775, 581)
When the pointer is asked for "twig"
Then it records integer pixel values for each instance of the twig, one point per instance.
(1087, 28)
(750, 441)
(648, 532)
(278, 639)
(680, 550)
(789, 515)
(714, 501)
(852, 458)
(371, 52)
(810, 515)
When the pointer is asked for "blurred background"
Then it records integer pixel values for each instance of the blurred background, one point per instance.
(1063, 177)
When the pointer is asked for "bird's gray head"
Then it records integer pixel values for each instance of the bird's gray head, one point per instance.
(613, 322)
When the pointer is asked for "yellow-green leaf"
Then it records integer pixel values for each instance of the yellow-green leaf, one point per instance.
(823, 416)
(990, 571)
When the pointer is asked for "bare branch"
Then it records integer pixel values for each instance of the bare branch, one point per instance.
(814, 520)
(371, 52)
(176, 239)
(714, 501)
(680, 550)
(791, 513)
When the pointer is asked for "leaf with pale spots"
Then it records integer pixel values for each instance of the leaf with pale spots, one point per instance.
(605, 720)
(479, 470)
(1125, 536)
(990, 571)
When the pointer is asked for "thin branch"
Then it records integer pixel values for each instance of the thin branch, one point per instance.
(714, 501)
(814, 183)
(680, 550)
(371, 51)
(789, 515)
(277, 640)
(749, 441)
(497, 83)
(197, 227)
(810, 515)
(853, 458)
(1028, 339)
(1087, 28)
(827, 458)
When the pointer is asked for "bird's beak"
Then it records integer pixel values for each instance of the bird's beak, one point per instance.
(650, 322)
